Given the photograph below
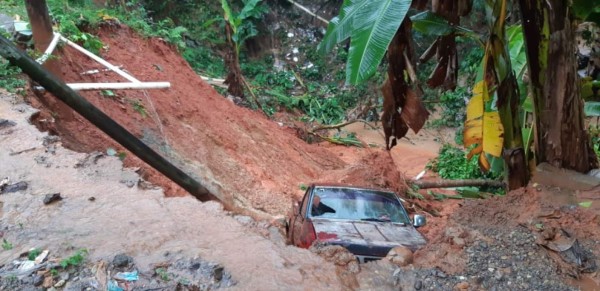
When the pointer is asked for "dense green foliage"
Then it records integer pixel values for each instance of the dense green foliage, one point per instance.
(452, 163)
(10, 77)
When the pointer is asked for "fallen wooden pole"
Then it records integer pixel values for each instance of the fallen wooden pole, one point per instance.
(101, 120)
(458, 183)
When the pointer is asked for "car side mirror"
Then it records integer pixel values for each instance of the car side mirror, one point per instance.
(419, 220)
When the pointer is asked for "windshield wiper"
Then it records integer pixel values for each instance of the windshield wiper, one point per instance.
(376, 219)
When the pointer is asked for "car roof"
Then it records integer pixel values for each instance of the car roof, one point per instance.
(340, 185)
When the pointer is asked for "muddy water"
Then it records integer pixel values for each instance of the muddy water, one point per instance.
(142, 223)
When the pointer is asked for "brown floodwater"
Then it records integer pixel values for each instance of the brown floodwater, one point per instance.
(141, 223)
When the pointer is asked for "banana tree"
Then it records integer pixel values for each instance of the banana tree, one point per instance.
(238, 28)
(560, 138)
(376, 27)
(492, 125)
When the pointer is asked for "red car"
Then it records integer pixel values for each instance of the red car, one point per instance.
(367, 222)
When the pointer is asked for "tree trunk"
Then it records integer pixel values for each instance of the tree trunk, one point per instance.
(561, 138)
(232, 61)
(41, 28)
(517, 172)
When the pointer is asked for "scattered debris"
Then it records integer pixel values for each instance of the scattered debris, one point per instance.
(23, 151)
(90, 159)
(49, 198)
(6, 123)
(127, 276)
(122, 261)
(6, 188)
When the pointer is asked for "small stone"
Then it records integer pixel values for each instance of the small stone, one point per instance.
(218, 273)
(441, 274)
(491, 269)
(6, 123)
(122, 260)
(461, 286)
(64, 276)
(498, 276)
(20, 186)
(49, 198)
(92, 199)
(60, 283)
(400, 256)
(38, 280)
(418, 285)
(48, 281)
(504, 258)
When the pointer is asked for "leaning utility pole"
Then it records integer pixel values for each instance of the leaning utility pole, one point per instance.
(41, 27)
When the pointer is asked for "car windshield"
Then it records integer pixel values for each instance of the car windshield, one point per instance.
(357, 204)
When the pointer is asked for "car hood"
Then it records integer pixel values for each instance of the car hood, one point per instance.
(367, 237)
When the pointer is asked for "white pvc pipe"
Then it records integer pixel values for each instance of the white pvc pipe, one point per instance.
(49, 50)
(212, 79)
(116, 86)
(100, 60)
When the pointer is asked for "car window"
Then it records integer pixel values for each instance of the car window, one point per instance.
(304, 202)
(357, 204)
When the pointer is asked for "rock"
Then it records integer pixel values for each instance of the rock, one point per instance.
(498, 276)
(400, 256)
(418, 285)
(461, 286)
(122, 260)
(64, 276)
(218, 273)
(6, 123)
(92, 199)
(60, 283)
(440, 274)
(38, 280)
(20, 186)
(49, 198)
(48, 282)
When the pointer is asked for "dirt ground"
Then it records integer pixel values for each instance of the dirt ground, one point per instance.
(256, 166)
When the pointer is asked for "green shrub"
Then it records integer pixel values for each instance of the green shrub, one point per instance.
(452, 163)
(11, 78)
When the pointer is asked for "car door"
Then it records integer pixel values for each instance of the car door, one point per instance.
(299, 218)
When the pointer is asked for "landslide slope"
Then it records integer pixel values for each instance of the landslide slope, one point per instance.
(250, 162)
